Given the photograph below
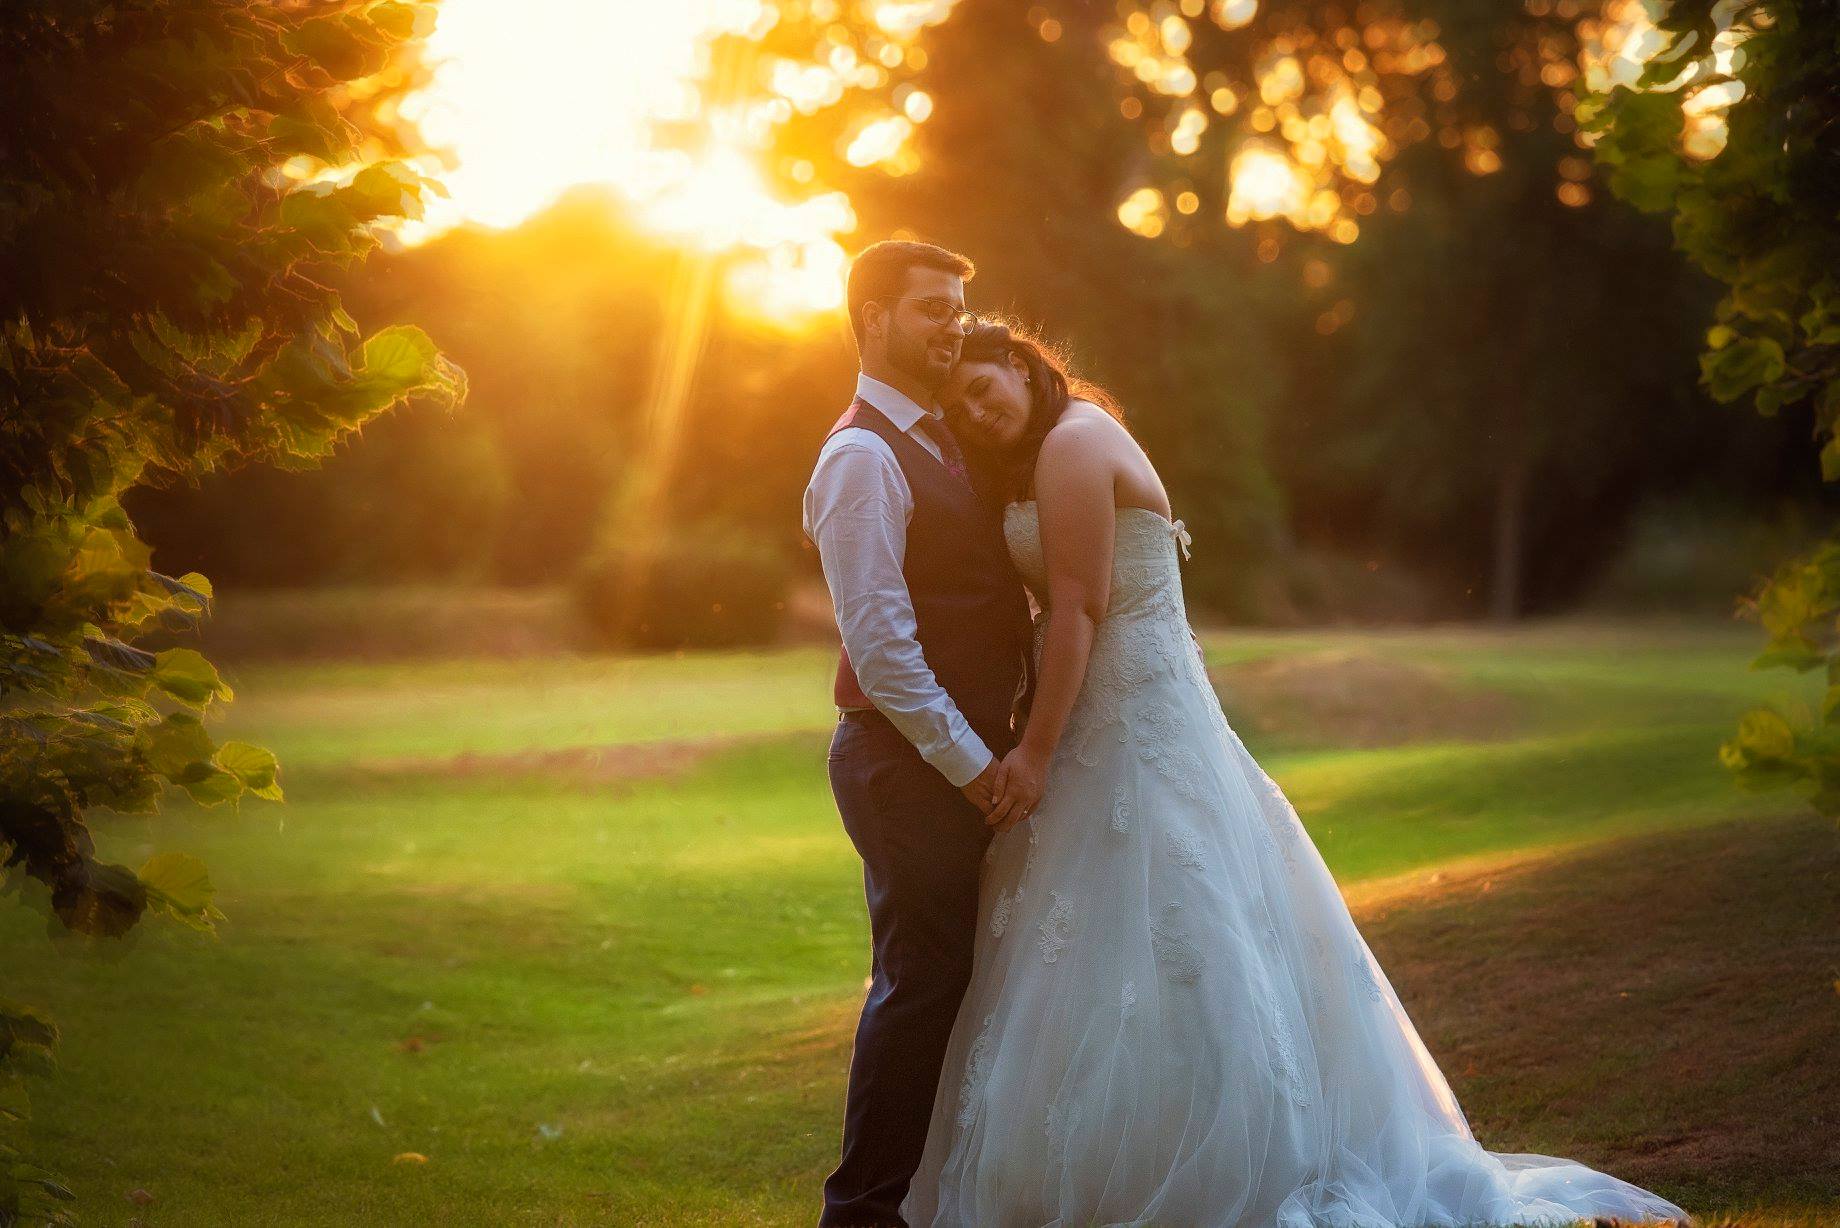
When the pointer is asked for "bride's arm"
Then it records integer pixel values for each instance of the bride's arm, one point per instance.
(1073, 490)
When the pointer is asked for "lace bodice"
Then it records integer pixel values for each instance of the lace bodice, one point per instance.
(1145, 574)
(1144, 633)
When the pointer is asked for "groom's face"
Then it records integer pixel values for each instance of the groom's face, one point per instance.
(919, 343)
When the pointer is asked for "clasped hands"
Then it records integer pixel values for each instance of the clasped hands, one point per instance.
(1007, 791)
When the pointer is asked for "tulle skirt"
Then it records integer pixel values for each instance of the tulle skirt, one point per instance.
(1173, 1020)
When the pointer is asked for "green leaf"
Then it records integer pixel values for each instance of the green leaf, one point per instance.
(174, 745)
(386, 189)
(1830, 459)
(1740, 366)
(1764, 736)
(106, 904)
(255, 766)
(344, 45)
(210, 785)
(22, 1025)
(399, 356)
(1799, 655)
(1830, 699)
(1821, 324)
(291, 135)
(1649, 182)
(188, 677)
(322, 214)
(402, 21)
(178, 880)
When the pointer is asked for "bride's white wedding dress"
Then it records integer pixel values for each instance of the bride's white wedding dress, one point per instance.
(1172, 1019)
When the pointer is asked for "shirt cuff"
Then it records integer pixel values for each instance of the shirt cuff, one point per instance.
(962, 761)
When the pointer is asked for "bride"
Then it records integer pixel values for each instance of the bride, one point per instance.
(1172, 1019)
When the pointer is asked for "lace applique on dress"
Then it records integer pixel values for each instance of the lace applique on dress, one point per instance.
(1127, 1001)
(1056, 927)
(1287, 1053)
(1187, 849)
(977, 1070)
(1158, 737)
(1176, 953)
(1279, 831)
(1000, 912)
(1121, 810)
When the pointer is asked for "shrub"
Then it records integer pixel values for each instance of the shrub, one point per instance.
(1763, 217)
(708, 588)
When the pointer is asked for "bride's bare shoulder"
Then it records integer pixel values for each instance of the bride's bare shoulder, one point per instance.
(1085, 411)
(1083, 419)
(1086, 431)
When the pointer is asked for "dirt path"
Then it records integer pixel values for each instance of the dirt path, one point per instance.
(1357, 699)
(621, 763)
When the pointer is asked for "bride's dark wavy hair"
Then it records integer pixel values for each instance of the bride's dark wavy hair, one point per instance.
(1053, 386)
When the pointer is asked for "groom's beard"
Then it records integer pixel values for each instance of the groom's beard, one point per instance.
(912, 355)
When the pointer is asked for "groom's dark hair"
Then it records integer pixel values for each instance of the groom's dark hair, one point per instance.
(880, 270)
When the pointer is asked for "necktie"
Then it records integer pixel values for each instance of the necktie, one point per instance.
(949, 453)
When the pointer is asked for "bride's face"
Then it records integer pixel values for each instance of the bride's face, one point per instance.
(986, 400)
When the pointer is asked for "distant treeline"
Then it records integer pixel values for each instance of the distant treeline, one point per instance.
(1461, 411)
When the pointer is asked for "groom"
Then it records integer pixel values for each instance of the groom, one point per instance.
(935, 631)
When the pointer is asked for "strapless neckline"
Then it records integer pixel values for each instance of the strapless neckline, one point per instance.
(1148, 511)
(1174, 528)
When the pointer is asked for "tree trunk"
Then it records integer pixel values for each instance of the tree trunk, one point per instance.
(1510, 535)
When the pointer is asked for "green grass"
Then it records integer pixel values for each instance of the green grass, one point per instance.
(592, 1000)
(337, 714)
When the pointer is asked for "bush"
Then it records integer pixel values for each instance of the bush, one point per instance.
(1692, 556)
(1311, 586)
(708, 588)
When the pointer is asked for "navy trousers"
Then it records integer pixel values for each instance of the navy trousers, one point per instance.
(922, 845)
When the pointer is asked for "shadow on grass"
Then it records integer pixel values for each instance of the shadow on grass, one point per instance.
(1660, 1007)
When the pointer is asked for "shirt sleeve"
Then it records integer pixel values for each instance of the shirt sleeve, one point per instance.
(856, 512)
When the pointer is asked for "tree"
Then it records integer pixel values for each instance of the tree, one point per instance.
(1762, 215)
(1466, 393)
(1493, 404)
(1345, 258)
(180, 180)
(1021, 164)
(1462, 398)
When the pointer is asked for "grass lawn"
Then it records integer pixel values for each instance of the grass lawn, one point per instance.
(585, 933)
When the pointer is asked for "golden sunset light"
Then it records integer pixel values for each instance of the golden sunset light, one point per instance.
(529, 101)
(534, 98)
(542, 684)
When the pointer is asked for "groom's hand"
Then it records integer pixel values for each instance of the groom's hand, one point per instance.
(983, 790)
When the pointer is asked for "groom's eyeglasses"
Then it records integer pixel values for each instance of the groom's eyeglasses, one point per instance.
(937, 310)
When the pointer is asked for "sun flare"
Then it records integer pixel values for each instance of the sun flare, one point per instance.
(532, 99)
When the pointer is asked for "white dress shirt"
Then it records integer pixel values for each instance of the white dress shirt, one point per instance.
(857, 507)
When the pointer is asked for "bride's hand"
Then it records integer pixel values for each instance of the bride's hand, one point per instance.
(1020, 778)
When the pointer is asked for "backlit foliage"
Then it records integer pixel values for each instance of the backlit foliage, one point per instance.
(1733, 127)
(1261, 110)
(183, 179)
